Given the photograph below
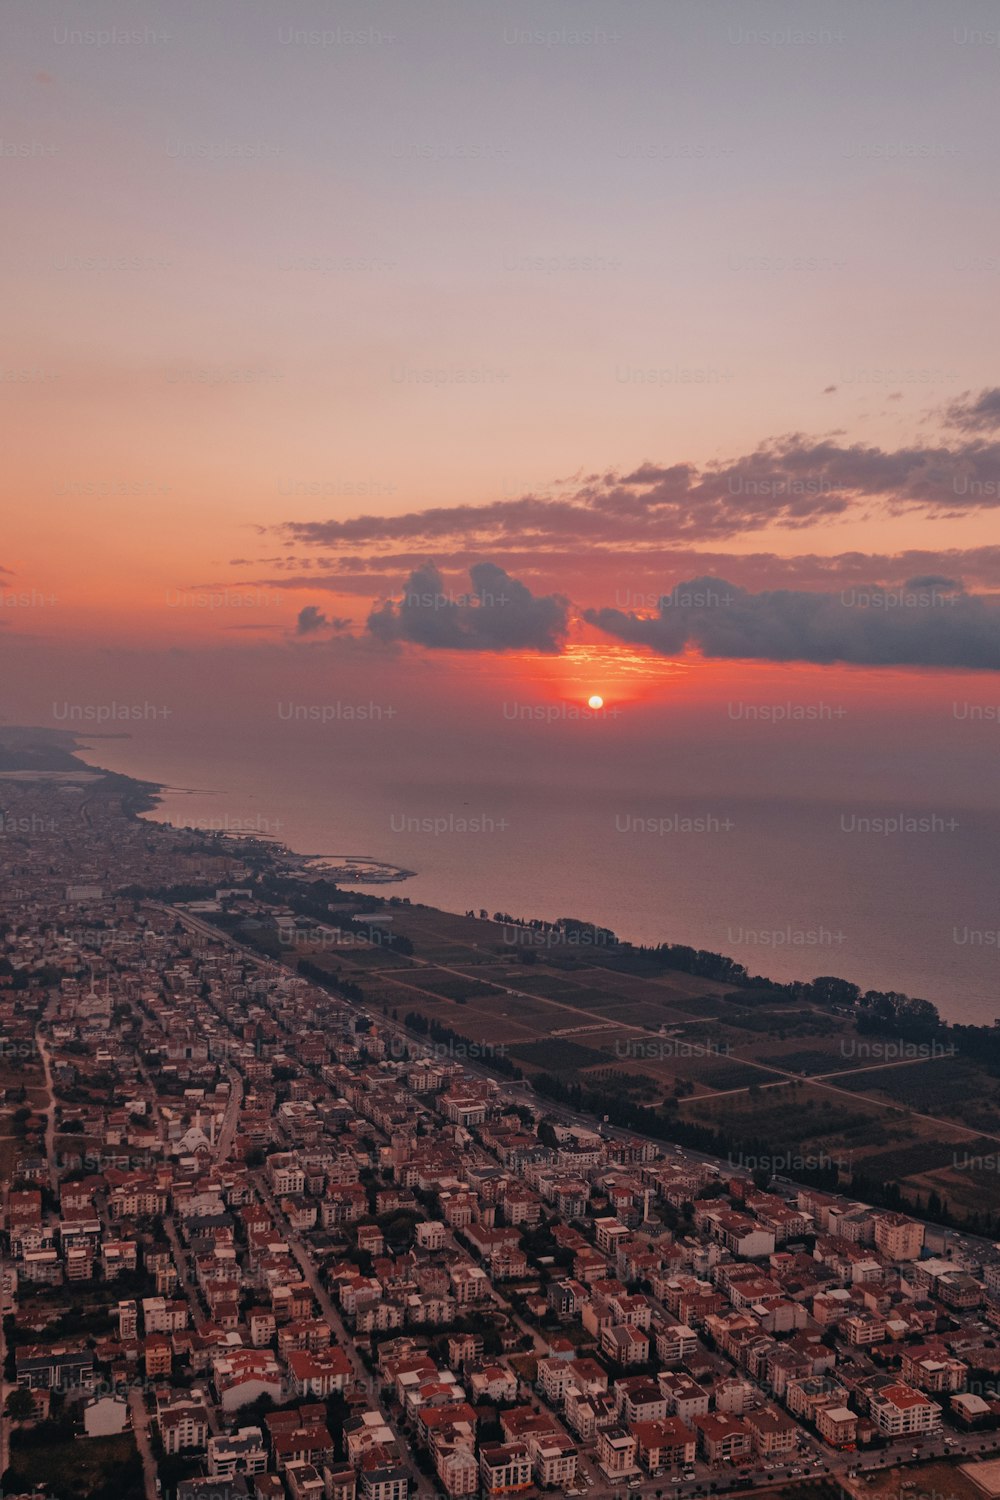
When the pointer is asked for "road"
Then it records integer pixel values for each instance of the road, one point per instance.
(50, 1112)
(231, 1117)
(140, 1426)
(181, 1262)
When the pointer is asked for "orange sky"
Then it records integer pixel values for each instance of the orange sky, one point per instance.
(254, 282)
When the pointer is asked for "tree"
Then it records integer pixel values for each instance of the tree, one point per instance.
(20, 1405)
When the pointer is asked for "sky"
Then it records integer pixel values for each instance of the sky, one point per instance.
(645, 349)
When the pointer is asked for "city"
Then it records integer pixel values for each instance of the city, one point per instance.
(261, 1240)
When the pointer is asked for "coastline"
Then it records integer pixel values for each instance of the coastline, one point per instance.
(142, 796)
(871, 907)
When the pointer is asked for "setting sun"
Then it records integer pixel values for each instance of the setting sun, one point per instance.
(595, 701)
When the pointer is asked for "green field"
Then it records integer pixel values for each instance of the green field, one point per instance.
(102, 1468)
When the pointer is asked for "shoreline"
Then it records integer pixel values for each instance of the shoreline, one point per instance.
(59, 745)
(144, 796)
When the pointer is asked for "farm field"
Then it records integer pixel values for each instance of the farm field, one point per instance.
(756, 1066)
(950, 1086)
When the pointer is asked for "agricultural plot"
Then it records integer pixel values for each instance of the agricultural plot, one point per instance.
(540, 1016)
(558, 1055)
(968, 1188)
(548, 986)
(363, 958)
(922, 1156)
(788, 1115)
(447, 986)
(687, 991)
(950, 1086)
(734, 1053)
(490, 1025)
(797, 1059)
(722, 1075)
(638, 1086)
(428, 927)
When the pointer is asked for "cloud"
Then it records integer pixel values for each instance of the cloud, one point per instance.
(311, 619)
(501, 614)
(975, 414)
(935, 581)
(795, 481)
(929, 622)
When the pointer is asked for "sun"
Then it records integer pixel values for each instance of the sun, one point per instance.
(595, 701)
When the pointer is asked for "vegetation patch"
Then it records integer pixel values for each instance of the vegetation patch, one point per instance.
(558, 1054)
(96, 1468)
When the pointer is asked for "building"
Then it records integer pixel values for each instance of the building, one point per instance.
(930, 1367)
(183, 1423)
(304, 1481)
(458, 1471)
(837, 1425)
(898, 1237)
(54, 1367)
(241, 1376)
(772, 1432)
(236, 1488)
(616, 1450)
(723, 1439)
(158, 1356)
(319, 1374)
(744, 1236)
(383, 1476)
(162, 1316)
(554, 1460)
(685, 1397)
(504, 1468)
(285, 1175)
(864, 1329)
(240, 1452)
(959, 1290)
(900, 1411)
(675, 1342)
(640, 1400)
(430, 1235)
(664, 1445)
(624, 1344)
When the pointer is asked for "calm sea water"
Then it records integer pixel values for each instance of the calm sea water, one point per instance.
(791, 887)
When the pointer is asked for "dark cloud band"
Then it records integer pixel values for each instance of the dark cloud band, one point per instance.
(927, 622)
